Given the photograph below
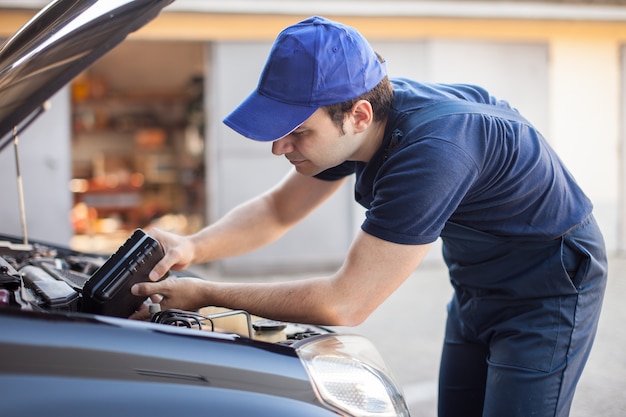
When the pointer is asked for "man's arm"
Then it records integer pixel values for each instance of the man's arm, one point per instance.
(249, 226)
(373, 269)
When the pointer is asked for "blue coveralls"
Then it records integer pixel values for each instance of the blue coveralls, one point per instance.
(526, 258)
(521, 322)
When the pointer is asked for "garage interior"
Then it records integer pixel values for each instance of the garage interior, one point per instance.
(138, 143)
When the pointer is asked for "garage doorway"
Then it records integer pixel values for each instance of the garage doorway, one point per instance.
(138, 143)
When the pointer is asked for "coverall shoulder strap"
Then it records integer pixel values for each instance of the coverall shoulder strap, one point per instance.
(445, 108)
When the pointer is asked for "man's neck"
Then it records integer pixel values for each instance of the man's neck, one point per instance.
(372, 140)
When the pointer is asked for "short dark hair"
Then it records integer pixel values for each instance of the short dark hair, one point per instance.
(380, 97)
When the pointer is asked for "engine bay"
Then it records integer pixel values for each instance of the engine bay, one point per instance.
(51, 279)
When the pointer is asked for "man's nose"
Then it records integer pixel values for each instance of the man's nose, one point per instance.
(282, 146)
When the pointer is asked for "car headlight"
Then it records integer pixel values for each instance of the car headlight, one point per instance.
(349, 375)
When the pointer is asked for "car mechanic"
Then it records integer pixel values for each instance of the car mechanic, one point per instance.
(525, 255)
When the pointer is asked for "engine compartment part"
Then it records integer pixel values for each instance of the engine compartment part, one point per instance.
(56, 280)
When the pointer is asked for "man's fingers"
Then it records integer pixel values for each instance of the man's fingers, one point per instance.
(145, 289)
(158, 271)
(142, 314)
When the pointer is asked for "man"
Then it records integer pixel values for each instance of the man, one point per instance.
(525, 255)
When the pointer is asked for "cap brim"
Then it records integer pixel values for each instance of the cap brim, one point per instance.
(261, 118)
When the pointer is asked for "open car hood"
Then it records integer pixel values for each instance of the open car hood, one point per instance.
(56, 45)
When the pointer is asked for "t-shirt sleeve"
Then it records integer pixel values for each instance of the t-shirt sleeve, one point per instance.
(417, 190)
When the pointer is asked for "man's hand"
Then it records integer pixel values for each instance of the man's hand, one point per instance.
(174, 292)
(179, 253)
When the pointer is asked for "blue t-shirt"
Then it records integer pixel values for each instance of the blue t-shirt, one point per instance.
(479, 171)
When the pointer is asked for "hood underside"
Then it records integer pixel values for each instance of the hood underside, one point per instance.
(56, 45)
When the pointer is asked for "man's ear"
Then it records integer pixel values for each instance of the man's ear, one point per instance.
(361, 115)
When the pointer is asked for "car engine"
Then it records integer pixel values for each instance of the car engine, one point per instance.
(51, 279)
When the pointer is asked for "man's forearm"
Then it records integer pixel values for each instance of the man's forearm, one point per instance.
(309, 300)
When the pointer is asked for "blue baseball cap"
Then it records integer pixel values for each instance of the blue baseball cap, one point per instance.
(316, 62)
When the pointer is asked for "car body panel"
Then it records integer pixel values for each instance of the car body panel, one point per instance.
(97, 355)
(68, 397)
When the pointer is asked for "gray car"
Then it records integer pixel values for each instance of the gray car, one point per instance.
(66, 347)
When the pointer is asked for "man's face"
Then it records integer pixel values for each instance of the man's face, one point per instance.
(317, 144)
